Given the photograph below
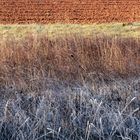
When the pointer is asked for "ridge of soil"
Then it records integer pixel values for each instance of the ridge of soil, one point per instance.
(68, 11)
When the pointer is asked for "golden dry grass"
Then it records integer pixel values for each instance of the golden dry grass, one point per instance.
(72, 57)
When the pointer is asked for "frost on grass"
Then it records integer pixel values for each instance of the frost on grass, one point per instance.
(73, 112)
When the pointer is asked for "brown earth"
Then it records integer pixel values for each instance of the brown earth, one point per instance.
(69, 11)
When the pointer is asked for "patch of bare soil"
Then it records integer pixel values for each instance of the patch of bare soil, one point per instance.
(68, 11)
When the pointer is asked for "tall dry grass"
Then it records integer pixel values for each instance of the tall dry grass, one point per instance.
(34, 58)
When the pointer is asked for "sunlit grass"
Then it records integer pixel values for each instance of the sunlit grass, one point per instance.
(54, 30)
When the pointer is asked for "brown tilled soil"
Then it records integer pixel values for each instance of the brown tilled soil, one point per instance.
(69, 11)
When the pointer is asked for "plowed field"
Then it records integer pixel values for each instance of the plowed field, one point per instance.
(69, 11)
